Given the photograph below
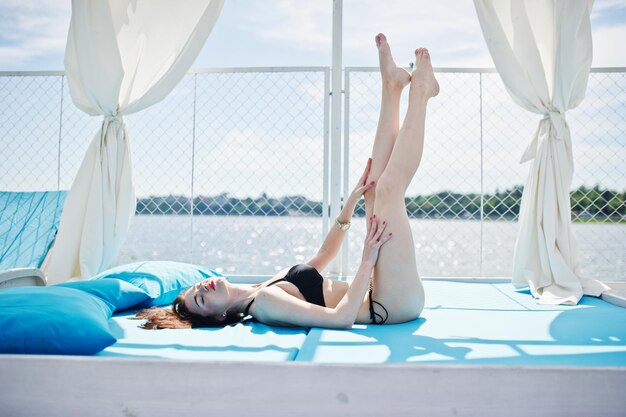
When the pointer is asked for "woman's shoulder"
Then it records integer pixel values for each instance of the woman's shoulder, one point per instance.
(267, 301)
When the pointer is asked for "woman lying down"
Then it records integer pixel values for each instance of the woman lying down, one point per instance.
(387, 287)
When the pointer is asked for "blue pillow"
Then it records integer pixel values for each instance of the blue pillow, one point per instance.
(53, 320)
(161, 280)
(120, 294)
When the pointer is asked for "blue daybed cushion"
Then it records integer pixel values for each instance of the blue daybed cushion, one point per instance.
(120, 294)
(53, 320)
(161, 280)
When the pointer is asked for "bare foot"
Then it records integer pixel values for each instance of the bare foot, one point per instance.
(393, 76)
(423, 80)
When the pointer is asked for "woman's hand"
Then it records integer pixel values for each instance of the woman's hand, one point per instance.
(374, 239)
(361, 187)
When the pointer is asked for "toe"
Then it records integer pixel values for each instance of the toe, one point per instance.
(419, 52)
(380, 38)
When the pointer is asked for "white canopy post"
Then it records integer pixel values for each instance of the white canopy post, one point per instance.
(542, 51)
(121, 57)
(335, 128)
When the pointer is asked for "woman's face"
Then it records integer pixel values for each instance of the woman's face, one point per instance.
(208, 298)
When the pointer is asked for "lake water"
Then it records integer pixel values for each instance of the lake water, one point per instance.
(444, 248)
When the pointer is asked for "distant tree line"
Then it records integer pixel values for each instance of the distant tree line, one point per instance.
(224, 204)
(587, 203)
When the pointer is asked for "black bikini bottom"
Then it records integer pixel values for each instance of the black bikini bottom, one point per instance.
(374, 316)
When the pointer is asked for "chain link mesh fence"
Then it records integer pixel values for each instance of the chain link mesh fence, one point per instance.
(225, 143)
(228, 169)
(465, 198)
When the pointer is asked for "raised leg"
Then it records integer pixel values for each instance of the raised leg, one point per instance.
(407, 151)
(396, 281)
(394, 79)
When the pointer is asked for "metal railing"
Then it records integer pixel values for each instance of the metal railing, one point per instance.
(254, 143)
(470, 180)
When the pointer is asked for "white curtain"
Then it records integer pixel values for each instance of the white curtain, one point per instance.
(542, 50)
(121, 57)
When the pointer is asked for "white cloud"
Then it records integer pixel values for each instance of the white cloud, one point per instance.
(32, 29)
(13, 54)
(600, 6)
(249, 162)
(306, 24)
(36, 30)
(447, 26)
(605, 50)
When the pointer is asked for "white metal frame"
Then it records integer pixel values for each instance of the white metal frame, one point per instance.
(36, 385)
(326, 176)
(335, 124)
(336, 146)
(344, 257)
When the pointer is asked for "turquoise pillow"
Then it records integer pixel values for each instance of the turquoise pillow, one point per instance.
(120, 294)
(161, 280)
(53, 320)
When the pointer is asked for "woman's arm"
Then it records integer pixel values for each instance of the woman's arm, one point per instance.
(331, 245)
(279, 308)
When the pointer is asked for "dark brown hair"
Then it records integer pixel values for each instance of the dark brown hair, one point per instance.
(179, 317)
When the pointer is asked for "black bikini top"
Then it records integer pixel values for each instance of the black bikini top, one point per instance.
(308, 281)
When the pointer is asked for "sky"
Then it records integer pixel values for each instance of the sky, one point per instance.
(262, 33)
(298, 33)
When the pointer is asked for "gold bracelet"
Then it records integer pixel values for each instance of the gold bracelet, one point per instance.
(342, 226)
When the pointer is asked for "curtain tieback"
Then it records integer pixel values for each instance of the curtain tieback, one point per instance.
(552, 120)
(115, 117)
(110, 121)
